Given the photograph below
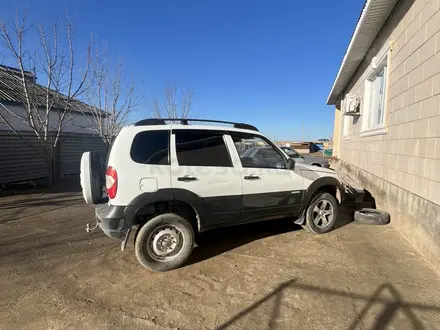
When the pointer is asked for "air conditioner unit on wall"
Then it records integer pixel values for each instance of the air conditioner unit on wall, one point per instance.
(352, 106)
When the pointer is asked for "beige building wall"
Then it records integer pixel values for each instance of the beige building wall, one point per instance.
(336, 132)
(402, 166)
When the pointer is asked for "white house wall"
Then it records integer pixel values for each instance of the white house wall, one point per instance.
(76, 123)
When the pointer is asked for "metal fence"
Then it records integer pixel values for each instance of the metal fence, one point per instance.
(72, 147)
(22, 159)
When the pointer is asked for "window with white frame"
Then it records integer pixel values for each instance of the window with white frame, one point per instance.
(377, 99)
(375, 88)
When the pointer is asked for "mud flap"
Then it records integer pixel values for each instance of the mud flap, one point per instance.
(300, 220)
(125, 240)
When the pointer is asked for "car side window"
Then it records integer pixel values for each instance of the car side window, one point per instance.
(151, 148)
(269, 153)
(201, 148)
(258, 152)
(291, 153)
(295, 155)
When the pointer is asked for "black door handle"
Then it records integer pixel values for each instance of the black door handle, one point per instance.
(251, 177)
(187, 178)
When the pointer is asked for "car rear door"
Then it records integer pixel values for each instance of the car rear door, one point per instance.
(270, 190)
(202, 172)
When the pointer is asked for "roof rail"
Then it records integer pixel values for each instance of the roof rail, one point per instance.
(150, 121)
(184, 121)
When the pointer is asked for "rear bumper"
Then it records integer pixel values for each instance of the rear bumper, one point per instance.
(111, 220)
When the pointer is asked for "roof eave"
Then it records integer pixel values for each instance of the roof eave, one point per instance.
(373, 17)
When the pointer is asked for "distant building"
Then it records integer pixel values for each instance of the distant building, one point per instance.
(12, 95)
(21, 157)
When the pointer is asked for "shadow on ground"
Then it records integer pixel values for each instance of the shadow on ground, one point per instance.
(218, 241)
(37, 244)
(41, 200)
(12, 209)
(68, 185)
(389, 306)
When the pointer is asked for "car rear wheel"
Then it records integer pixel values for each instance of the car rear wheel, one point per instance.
(321, 213)
(164, 243)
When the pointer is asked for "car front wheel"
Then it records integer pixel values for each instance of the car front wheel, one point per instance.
(165, 242)
(321, 213)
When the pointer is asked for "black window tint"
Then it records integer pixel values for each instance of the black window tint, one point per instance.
(151, 147)
(201, 148)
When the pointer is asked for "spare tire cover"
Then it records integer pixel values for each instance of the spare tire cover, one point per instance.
(90, 176)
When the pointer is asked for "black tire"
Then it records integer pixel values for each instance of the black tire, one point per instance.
(319, 199)
(371, 217)
(172, 223)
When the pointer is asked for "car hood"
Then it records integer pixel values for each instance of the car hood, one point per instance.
(313, 168)
(310, 159)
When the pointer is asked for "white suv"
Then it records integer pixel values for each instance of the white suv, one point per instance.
(172, 180)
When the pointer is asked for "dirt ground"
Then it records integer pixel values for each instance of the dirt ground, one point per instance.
(272, 275)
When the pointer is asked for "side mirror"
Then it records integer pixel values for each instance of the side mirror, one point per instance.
(290, 164)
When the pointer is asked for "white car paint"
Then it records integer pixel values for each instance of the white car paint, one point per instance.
(132, 174)
(135, 178)
(210, 181)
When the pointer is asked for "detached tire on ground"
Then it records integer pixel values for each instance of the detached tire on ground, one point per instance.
(371, 217)
(321, 214)
(164, 243)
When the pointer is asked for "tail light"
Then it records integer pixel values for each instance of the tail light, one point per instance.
(111, 182)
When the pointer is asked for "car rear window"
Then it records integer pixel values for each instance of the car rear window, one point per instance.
(151, 147)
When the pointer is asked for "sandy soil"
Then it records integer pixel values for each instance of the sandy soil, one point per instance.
(272, 275)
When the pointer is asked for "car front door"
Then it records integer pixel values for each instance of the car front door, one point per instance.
(203, 174)
(270, 190)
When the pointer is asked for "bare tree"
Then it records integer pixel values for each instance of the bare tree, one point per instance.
(58, 68)
(176, 103)
(111, 100)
